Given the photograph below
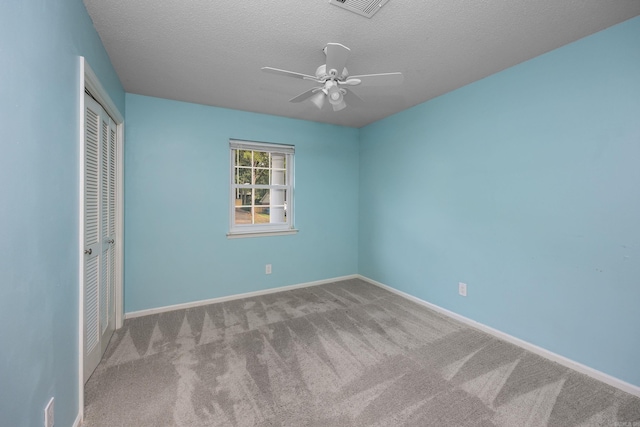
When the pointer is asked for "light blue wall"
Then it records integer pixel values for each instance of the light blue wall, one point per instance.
(526, 186)
(177, 204)
(39, 46)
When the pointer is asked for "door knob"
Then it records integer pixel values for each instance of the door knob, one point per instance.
(87, 251)
(110, 241)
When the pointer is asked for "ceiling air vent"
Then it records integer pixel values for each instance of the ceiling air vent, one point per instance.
(366, 8)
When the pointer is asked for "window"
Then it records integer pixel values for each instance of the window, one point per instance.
(261, 188)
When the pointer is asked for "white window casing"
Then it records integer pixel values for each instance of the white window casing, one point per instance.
(261, 196)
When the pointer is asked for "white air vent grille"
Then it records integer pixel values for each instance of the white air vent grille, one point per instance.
(366, 8)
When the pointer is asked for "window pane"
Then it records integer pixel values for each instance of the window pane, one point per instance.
(278, 214)
(262, 176)
(261, 159)
(243, 176)
(262, 197)
(278, 177)
(243, 215)
(243, 158)
(278, 197)
(278, 206)
(262, 216)
(243, 196)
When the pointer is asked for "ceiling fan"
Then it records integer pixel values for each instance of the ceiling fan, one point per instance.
(333, 78)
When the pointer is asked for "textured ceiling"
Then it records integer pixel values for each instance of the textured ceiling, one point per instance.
(210, 51)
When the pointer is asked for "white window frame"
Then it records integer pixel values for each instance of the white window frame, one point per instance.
(258, 230)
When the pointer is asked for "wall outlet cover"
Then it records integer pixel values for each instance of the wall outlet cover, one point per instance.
(267, 269)
(462, 289)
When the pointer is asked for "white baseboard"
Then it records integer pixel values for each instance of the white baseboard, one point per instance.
(593, 373)
(78, 421)
(149, 311)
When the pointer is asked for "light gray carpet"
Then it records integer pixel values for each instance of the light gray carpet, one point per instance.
(342, 354)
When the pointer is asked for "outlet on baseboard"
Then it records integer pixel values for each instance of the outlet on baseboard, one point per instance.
(48, 414)
(267, 269)
(462, 289)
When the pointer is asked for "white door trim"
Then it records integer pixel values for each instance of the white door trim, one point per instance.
(88, 80)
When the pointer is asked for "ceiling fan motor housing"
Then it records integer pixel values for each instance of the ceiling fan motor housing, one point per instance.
(321, 73)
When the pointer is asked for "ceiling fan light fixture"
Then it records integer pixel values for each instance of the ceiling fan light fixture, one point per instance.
(339, 106)
(318, 99)
(335, 95)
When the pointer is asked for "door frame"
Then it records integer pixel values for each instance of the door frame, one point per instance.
(89, 80)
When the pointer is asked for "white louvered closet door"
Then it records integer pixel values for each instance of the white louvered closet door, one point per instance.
(99, 232)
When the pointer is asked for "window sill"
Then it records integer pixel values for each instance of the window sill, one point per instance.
(241, 235)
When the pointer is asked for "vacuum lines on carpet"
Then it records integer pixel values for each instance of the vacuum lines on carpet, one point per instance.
(340, 354)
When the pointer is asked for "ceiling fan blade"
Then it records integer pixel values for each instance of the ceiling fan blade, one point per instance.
(337, 55)
(384, 79)
(353, 99)
(349, 82)
(305, 95)
(288, 73)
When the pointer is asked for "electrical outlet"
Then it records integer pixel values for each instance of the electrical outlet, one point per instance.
(267, 269)
(462, 289)
(48, 414)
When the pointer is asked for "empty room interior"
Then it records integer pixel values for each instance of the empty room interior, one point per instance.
(320, 213)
